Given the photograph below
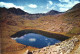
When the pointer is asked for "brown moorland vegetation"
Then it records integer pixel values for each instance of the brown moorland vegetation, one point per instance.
(66, 24)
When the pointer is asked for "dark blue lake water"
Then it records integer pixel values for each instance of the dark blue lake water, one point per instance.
(36, 40)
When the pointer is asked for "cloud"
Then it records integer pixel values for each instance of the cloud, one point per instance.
(62, 7)
(32, 39)
(47, 6)
(32, 6)
(66, 6)
(50, 2)
(49, 43)
(46, 39)
(14, 38)
(21, 37)
(9, 5)
(64, 0)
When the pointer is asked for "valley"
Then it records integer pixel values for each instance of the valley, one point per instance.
(66, 24)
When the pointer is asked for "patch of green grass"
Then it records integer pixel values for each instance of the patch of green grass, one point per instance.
(75, 30)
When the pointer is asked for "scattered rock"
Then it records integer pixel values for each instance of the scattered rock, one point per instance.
(64, 47)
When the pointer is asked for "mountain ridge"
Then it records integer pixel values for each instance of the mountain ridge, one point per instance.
(24, 14)
(15, 10)
(76, 6)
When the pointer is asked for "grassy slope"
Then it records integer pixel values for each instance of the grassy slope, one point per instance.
(66, 24)
(74, 19)
(7, 28)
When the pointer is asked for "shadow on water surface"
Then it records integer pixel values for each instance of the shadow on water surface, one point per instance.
(37, 38)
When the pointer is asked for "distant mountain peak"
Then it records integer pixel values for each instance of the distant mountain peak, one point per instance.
(53, 12)
(17, 11)
(13, 10)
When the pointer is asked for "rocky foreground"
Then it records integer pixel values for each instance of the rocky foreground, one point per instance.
(70, 46)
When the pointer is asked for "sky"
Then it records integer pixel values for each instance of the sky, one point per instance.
(39, 6)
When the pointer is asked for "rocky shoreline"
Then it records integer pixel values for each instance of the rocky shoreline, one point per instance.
(64, 47)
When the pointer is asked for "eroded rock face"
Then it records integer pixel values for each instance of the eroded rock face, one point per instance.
(64, 47)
